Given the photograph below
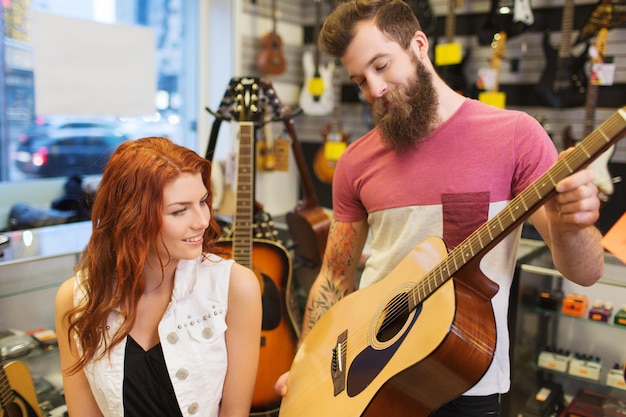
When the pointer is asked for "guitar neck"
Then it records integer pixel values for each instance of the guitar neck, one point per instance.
(591, 101)
(7, 397)
(450, 21)
(567, 24)
(242, 242)
(523, 205)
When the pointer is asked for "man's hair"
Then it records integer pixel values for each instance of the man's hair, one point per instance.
(393, 17)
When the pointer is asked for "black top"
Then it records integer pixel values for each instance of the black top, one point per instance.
(148, 390)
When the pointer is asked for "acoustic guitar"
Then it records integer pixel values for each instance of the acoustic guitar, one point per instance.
(563, 82)
(269, 260)
(271, 59)
(17, 391)
(425, 333)
(316, 95)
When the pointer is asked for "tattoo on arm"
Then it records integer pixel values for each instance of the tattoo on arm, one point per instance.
(339, 260)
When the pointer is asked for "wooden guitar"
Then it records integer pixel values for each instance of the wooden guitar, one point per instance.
(17, 391)
(316, 95)
(449, 59)
(334, 140)
(603, 180)
(426, 332)
(269, 260)
(563, 82)
(271, 59)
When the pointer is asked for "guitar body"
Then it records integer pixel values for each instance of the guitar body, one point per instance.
(271, 59)
(563, 82)
(311, 225)
(351, 365)
(17, 392)
(272, 266)
(316, 105)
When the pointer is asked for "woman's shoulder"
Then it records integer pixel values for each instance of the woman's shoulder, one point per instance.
(244, 282)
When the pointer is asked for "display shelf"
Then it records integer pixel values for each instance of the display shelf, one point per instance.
(608, 324)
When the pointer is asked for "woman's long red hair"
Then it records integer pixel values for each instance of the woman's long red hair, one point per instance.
(126, 223)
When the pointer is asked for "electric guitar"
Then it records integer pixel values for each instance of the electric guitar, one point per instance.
(489, 81)
(425, 333)
(603, 180)
(269, 260)
(563, 82)
(17, 391)
(423, 12)
(316, 95)
(334, 140)
(511, 16)
(271, 59)
(449, 59)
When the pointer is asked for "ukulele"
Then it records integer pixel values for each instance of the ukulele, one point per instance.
(269, 260)
(563, 82)
(334, 140)
(449, 62)
(425, 333)
(271, 59)
(316, 95)
(17, 391)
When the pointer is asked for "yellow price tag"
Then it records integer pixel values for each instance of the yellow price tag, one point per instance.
(448, 54)
(493, 98)
(333, 150)
(316, 86)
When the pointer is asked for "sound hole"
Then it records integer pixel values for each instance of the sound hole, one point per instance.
(396, 314)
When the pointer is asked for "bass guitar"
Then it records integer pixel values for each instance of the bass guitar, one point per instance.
(269, 260)
(563, 82)
(316, 95)
(17, 391)
(271, 59)
(425, 333)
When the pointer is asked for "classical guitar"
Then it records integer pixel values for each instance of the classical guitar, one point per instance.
(563, 82)
(426, 332)
(316, 95)
(271, 59)
(449, 59)
(603, 180)
(269, 260)
(511, 16)
(334, 140)
(17, 391)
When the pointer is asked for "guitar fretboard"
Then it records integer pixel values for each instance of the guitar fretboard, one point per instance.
(242, 241)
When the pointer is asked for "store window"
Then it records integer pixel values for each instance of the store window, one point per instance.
(41, 144)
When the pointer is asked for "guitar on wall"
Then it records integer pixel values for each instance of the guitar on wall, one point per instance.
(488, 80)
(423, 12)
(511, 16)
(269, 260)
(563, 82)
(425, 333)
(316, 95)
(603, 180)
(271, 59)
(449, 59)
(17, 391)
(334, 140)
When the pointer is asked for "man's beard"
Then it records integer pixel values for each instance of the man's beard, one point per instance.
(406, 115)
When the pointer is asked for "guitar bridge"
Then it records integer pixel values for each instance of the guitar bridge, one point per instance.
(338, 363)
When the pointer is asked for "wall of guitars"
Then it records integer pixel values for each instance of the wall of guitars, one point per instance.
(510, 49)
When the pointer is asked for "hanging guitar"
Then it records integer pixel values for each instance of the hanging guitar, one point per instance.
(269, 260)
(488, 80)
(425, 333)
(563, 82)
(17, 391)
(316, 95)
(449, 59)
(511, 16)
(334, 140)
(423, 12)
(603, 179)
(271, 59)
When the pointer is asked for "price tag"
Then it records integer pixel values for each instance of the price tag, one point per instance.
(333, 150)
(281, 154)
(493, 98)
(602, 73)
(448, 54)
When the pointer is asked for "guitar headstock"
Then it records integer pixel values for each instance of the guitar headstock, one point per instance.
(498, 46)
(241, 100)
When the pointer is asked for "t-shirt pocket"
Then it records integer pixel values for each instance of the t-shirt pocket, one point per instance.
(463, 213)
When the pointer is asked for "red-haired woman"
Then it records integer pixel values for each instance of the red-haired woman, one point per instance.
(155, 322)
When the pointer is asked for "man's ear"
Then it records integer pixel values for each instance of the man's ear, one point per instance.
(419, 43)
